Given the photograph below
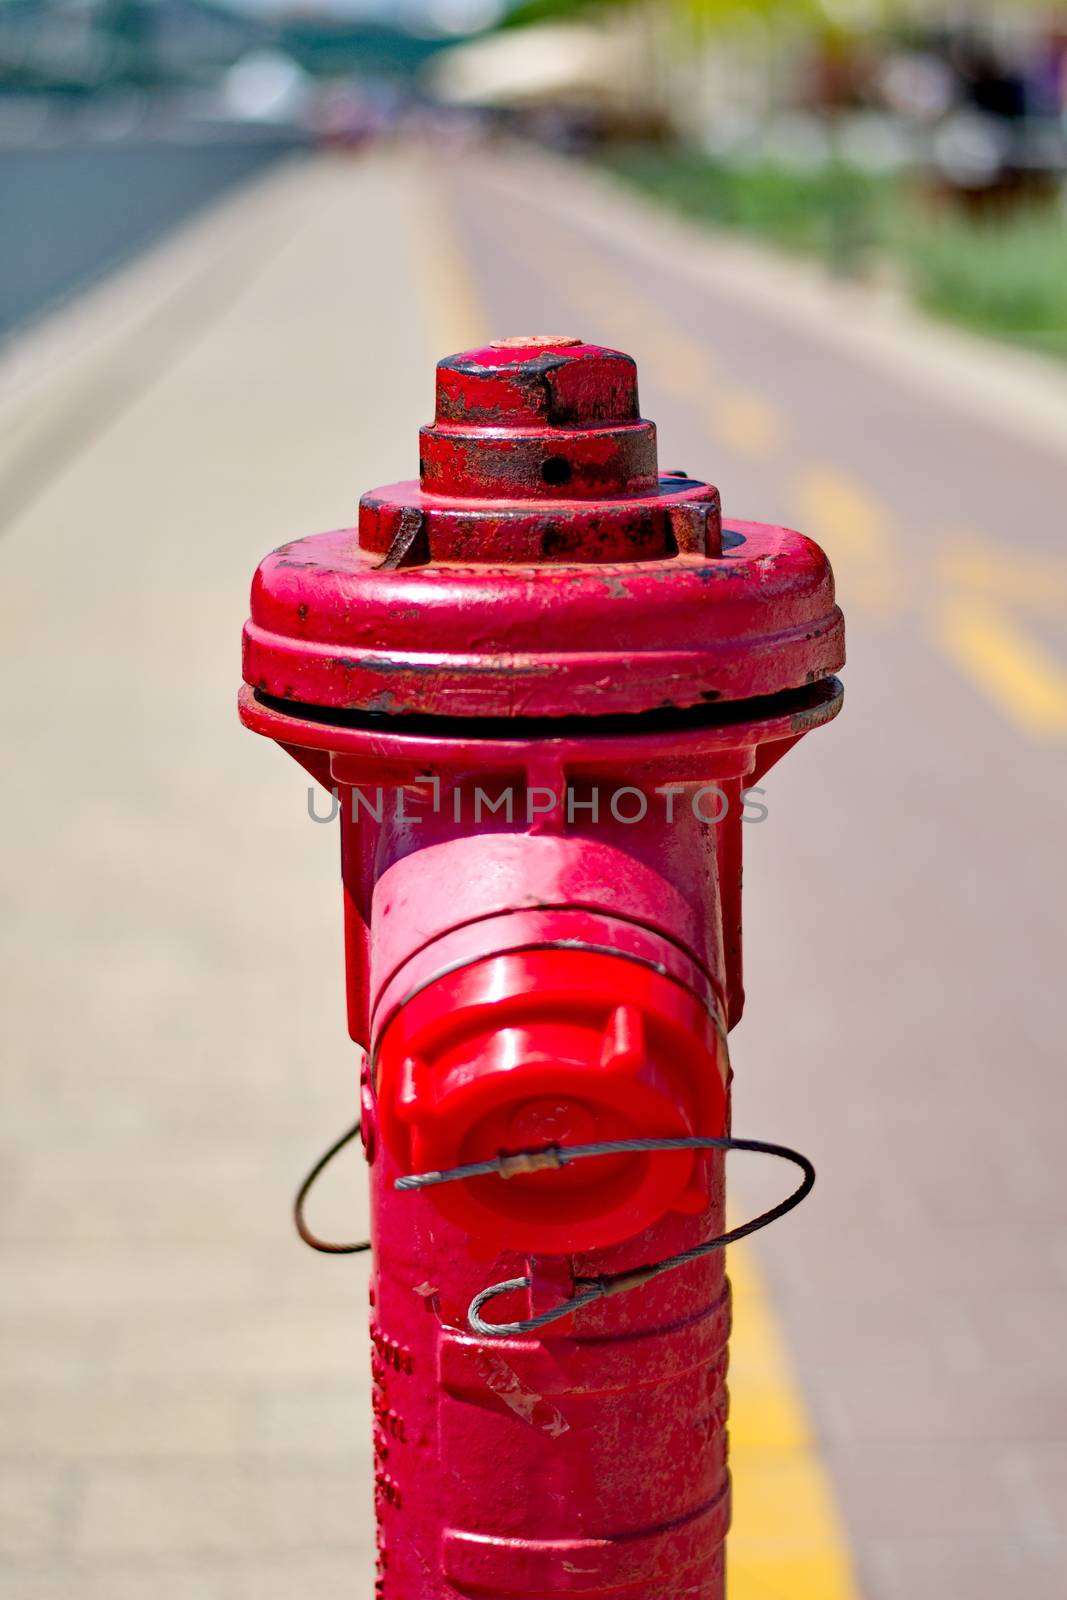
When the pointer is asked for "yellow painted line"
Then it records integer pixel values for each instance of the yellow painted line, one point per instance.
(787, 1541)
(1028, 578)
(844, 510)
(853, 528)
(630, 321)
(1022, 679)
(674, 362)
(747, 423)
(454, 313)
(676, 367)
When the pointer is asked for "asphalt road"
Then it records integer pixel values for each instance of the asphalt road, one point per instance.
(184, 1391)
(905, 909)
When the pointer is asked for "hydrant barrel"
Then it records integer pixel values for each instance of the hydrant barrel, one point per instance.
(540, 680)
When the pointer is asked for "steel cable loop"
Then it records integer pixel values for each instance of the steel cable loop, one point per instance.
(592, 1289)
(554, 1157)
(324, 1245)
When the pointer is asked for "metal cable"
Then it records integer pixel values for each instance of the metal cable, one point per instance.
(302, 1228)
(599, 1288)
(553, 1157)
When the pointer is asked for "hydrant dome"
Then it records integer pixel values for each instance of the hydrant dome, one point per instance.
(541, 566)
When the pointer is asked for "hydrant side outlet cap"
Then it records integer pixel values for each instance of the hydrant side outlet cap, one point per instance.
(537, 1048)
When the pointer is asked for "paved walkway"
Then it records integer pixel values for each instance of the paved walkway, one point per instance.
(183, 1389)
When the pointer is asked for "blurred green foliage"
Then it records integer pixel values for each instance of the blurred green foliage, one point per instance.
(1005, 275)
(533, 11)
(826, 210)
(832, 15)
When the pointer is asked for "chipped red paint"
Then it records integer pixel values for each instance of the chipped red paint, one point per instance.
(544, 618)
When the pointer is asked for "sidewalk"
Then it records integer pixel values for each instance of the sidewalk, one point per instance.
(184, 1387)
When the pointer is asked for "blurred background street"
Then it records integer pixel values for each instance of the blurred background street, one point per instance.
(235, 243)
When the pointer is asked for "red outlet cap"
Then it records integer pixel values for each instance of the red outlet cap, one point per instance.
(519, 1052)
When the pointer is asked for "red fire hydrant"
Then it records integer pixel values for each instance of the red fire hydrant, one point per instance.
(539, 682)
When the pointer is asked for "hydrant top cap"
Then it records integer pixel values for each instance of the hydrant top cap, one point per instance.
(538, 380)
